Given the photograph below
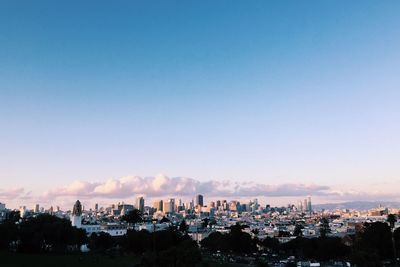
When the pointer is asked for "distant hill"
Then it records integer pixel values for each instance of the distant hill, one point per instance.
(357, 205)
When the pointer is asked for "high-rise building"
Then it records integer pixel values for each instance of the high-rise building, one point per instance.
(158, 205)
(76, 217)
(169, 205)
(140, 204)
(2, 206)
(22, 211)
(36, 208)
(199, 200)
(96, 207)
(309, 207)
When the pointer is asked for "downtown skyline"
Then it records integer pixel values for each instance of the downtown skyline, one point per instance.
(271, 100)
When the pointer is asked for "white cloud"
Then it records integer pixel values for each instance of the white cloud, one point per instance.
(161, 185)
(11, 193)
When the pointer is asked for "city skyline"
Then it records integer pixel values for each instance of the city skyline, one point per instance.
(269, 100)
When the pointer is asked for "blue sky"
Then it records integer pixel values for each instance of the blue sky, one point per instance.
(264, 91)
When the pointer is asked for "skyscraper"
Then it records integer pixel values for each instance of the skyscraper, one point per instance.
(199, 200)
(158, 205)
(140, 204)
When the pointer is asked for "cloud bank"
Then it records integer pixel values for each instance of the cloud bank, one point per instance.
(161, 186)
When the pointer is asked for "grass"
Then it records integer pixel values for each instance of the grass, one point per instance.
(8, 259)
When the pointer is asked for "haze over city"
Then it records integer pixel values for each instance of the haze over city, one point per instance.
(278, 102)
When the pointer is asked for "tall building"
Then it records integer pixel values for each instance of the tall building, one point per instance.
(76, 217)
(36, 208)
(2, 206)
(169, 205)
(96, 207)
(158, 205)
(309, 207)
(199, 200)
(140, 204)
(305, 205)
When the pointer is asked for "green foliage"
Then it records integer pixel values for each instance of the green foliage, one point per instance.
(183, 227)
(391, 219)
(101, 241)
(236, 241)
(270, 244)
(298, 230)
(317, 248)
(324, 228)
(48, 233)
(376, 239)
(162, 248)
(8, 233)
(133, 216)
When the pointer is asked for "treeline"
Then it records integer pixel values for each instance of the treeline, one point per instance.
(50, 234)
(368, 248)
(44, 233)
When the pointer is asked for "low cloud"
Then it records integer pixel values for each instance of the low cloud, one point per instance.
(11, 193)
(161, 186)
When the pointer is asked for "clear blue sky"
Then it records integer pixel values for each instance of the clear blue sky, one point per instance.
(268, 91)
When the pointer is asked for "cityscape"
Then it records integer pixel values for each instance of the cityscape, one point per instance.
(271, 230)
(213, 133)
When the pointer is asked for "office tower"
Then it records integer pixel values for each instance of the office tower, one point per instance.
(2, 206)
(199, 200)
(309, 207)
(140, 204)
(218, 203)
(305, 205)
(169, 205)
(22, 211)
(96, 207)
(36, 209)
(158, 205)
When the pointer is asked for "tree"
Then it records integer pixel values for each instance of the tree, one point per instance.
(205, 222)
(391, 219)
(101, 241)
(133, 216)
(324, 228)
(375, 241)
(183, 227)
(164, 220)
(298, 230)
(48, 233)
(8, 234)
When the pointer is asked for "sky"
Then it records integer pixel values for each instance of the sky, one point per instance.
(271, 99)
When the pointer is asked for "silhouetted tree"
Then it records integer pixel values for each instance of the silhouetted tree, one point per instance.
(324, 228)
(270, 244)
(8, 234)
(205, 222)
(391, 219)
(48, 233)
(183, 227)
(133, 216)
(374, 243)
(100, 241)
(298, 230)
(164, 220)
